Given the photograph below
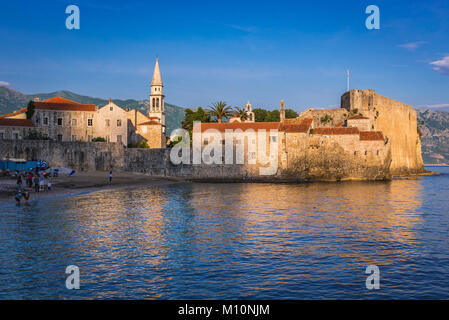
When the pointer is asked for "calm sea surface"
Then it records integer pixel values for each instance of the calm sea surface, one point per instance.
(232, 241)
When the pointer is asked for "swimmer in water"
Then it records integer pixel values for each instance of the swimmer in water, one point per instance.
(18, 197)
(26, 197)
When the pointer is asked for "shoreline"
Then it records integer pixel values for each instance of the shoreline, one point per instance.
(83, 183)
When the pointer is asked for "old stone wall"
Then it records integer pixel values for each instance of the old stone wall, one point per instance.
(76, 155)
(335, 116)
(397, 121)
(314, 157)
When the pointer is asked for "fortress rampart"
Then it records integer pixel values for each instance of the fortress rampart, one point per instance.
(397, 121)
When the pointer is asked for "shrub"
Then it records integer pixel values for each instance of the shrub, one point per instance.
(99, 139)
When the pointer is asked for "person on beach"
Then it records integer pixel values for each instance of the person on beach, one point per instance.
(41, 184)
(30, 180)
(110, 176)
(36, 183)
(20, 183)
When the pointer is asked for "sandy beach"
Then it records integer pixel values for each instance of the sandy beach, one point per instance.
(83, 182)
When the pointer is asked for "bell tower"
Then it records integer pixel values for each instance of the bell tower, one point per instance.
(249, 112)
(157, 108)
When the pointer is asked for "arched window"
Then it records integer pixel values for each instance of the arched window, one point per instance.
(157, 104)
(152, 106)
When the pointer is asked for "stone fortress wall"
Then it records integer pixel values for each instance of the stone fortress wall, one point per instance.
(321, 158)
(397, 121)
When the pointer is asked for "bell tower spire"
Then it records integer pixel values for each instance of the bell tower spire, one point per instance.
(157, 108)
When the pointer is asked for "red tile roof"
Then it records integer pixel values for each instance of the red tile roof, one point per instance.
(336, 131)
(356, 117)
(14, 113)
(371, 136)
(239, 125)
(149, 123)
(299, 125)
(62, 104)
(60, 100)
(16, 122)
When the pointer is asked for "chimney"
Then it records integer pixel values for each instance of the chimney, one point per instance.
(36, 99)
(282, 112)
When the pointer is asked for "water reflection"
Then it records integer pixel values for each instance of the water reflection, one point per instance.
(230, 241)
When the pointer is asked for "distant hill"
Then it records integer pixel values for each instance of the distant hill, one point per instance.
(11, 100)
(435, 138)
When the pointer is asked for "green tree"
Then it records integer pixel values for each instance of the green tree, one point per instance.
(290, 114)
(220, 110)
(241, 113)
(30, 110)
(260, 114)
(273, 116)
(143, 144)
(190, 116)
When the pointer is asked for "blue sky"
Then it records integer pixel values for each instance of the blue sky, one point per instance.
(262, 51)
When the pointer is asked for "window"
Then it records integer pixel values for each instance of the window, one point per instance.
(1, 135)
(111, 108)
(119, 139)
(46, 121)
(74, 137)
(252, 155)
(90, 122)
(119, 123)
(59, 137)
(273, 138)
(15, 136)
(206, 141)
(37, 119)
(74, 122)
(108, 122)
(59, 121)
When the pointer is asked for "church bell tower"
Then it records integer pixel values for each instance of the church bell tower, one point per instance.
(157, 108)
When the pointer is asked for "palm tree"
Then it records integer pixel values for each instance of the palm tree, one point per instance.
(241, 113)
(220, 110)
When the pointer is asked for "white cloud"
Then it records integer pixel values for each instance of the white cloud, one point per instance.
(4, 83)
(412, 46)
(436, 106)
(441, 65)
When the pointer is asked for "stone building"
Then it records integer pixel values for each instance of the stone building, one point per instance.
(301, 149)
(62, 119)
(112, 123)
(14, 128)
(65, 120)
(156, 134)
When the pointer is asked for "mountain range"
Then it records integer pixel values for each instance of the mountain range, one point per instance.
(434, 124)
(11, 100)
